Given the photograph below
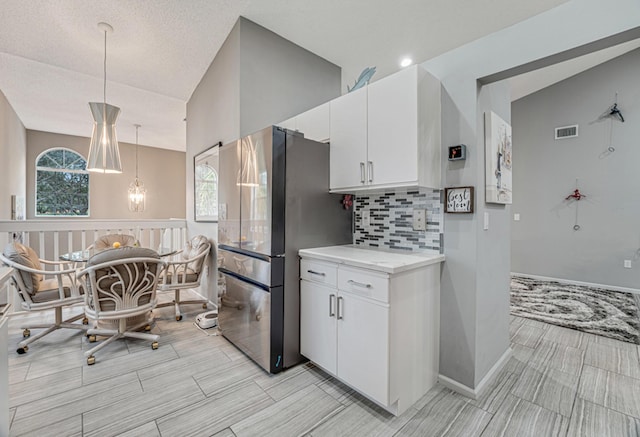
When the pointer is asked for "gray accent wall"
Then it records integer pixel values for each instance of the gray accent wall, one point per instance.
(279, 79)
(13, 151)
(161, 170)
(257, 78)
(545, 170)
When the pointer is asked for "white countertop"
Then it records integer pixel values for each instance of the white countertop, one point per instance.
(380, 260)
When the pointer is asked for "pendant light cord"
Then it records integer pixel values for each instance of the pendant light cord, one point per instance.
(136, 152)
(137, 127)
(104, 89)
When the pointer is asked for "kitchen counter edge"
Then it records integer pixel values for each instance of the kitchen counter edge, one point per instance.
(381, 261)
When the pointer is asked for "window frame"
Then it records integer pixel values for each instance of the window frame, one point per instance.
(35, 191)
(204, 157)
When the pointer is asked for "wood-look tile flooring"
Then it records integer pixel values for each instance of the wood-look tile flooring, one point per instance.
(558, 382)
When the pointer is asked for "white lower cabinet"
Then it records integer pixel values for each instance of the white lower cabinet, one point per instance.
(363, 345)
(318, 338)
(376, 332)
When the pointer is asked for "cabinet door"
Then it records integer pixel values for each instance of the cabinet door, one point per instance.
(318, 324)
(348, 147)
(288, 124)
(315, 123)
(363, 345)
(392, 129)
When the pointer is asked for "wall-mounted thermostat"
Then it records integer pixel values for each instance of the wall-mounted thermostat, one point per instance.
(457, 153)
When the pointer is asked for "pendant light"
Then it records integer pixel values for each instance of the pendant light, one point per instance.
(104, 156)
(137, 192)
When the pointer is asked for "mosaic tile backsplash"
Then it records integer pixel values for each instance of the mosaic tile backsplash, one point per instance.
(391, 220)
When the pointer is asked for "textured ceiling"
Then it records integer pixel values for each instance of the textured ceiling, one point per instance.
(51, 51)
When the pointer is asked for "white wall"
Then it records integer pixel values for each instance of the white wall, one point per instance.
(13, 150)
(544, 242)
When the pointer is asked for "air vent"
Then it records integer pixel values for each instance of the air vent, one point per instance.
(566, 132)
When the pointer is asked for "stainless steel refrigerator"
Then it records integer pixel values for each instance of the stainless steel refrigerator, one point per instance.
(273, 200)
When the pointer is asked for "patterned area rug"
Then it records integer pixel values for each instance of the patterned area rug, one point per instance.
(595, 310)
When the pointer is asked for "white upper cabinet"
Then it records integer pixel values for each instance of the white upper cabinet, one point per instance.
(314, 123)
(400, 137)
(348, 147)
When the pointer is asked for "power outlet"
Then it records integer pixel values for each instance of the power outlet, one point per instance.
(419, 219)
(366, 218)
(627, 263)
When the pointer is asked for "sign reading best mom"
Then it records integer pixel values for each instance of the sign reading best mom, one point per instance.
(458, 199)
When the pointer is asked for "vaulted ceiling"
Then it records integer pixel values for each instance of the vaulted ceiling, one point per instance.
(51, 51)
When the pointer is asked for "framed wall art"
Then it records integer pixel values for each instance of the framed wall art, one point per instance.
(205, 173)
(498, 159)
(458, 200)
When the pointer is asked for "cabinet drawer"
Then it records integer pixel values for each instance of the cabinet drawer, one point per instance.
(364, 283)
(317, 271)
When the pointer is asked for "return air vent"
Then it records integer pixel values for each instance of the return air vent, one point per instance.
(566, 132)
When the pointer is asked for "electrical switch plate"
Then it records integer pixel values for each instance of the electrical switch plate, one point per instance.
(516, 217)
(366, 218)
(486, 221)
(627, 263)
(419, 219)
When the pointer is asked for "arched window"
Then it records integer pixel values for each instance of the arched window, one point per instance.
(62, 184)
(206, 192)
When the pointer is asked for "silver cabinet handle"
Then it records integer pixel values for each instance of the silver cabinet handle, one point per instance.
(362, 172)
(340, 315)
(359, 284)
(332, 305)
(316, 273)
(370, 171)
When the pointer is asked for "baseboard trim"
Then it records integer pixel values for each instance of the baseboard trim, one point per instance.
(475, 393)
(585, 284)
(457, 387)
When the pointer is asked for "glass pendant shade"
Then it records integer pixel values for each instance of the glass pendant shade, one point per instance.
(104, 155)
(137, 196)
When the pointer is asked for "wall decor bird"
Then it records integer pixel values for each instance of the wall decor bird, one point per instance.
(364, 79)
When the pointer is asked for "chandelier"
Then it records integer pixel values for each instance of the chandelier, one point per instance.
(137, 192)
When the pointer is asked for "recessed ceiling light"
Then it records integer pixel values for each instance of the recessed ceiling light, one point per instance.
(406, 62)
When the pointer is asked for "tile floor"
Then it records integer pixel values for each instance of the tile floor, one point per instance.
(558, 382)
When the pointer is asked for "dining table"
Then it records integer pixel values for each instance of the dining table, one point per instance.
(82, 256)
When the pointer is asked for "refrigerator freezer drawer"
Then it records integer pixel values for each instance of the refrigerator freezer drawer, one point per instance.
(246, 319)
(263, 270)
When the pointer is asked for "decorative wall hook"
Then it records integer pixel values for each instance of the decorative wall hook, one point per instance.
(615, 112)
(577, 195)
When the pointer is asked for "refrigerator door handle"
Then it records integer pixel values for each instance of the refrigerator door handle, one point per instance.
(340, 317)
(332, 305)
(370, 171)
(362, 172)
